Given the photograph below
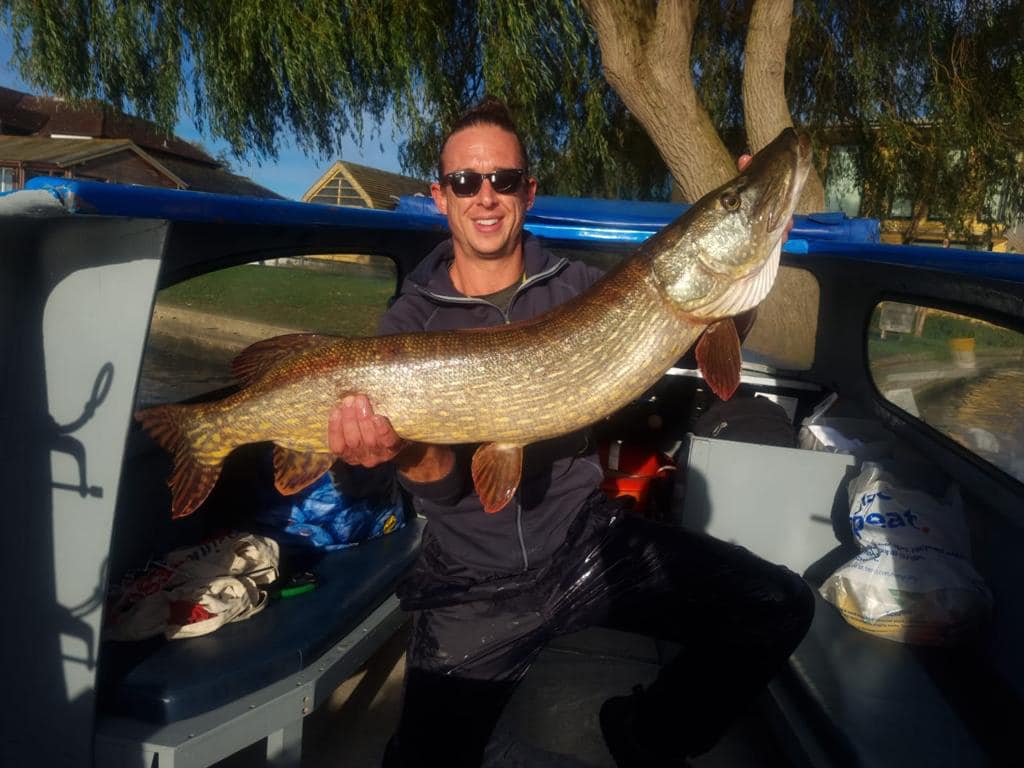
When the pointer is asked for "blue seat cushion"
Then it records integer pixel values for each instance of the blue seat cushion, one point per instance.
(161, 681)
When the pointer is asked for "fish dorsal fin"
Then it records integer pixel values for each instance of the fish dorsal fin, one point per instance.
(256, 359)
(497, 468)
(718, 356)
(294, 470)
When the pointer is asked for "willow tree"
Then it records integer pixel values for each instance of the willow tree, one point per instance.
(611, 93)
(930, 96)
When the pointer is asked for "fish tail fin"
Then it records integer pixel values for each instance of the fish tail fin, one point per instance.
(192, 480)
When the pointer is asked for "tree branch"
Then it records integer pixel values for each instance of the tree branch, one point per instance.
(765, 108)
(645, 51)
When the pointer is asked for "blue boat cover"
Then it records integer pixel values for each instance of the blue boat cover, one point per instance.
(574, 218)
(563, 218)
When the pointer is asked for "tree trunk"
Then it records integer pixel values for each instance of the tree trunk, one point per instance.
(918, 216)
(764, 86)
(645, 49)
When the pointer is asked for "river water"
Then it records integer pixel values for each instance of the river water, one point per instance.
(985, 414)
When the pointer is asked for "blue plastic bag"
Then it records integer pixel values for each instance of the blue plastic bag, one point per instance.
(339, 510)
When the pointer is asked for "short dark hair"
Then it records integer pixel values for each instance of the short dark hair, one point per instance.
(490, 111)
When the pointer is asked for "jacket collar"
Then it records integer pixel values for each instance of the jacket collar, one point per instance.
(432, 275)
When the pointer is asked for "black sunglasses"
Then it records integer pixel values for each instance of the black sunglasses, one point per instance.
(505, 181)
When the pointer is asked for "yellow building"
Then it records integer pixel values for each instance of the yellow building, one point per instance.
(363, 187)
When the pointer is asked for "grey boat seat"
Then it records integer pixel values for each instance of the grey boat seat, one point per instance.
(190, 703)
(860, 700)
(161, 682)
(848, 699)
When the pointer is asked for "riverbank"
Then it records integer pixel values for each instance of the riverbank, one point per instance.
(343, 300)
(216, 333)
(189, 352)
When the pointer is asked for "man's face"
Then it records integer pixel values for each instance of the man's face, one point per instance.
(487, 225)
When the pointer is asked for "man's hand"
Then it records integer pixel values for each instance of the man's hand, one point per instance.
(357, 435)
(742, 162)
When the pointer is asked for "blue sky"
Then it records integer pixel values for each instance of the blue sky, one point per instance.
(290, 175)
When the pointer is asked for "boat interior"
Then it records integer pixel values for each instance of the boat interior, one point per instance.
(833, 381)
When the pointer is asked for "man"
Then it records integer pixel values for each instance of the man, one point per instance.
(490, 590)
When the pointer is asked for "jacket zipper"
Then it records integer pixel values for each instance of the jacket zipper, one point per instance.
(519, 530)
(555, 268)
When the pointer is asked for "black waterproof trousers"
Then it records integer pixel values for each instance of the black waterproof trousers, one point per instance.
(737, 617)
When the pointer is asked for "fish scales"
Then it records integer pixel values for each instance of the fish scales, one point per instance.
(599, 352)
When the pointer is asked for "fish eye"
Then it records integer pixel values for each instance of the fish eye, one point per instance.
(730, 201)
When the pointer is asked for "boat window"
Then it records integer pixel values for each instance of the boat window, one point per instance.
(958, 374)
(787, 323)
(199, 325)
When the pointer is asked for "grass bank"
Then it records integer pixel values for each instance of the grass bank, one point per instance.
(344, 302)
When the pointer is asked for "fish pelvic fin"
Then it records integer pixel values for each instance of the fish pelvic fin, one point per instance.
(294, 470)
(191, 480)
(718, 357)
(497, 469)
(256, 359)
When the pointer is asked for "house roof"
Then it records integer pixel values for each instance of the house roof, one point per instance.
(23, 113)
(67, 153)
(206, 179)
(29, 123)
(359, 185)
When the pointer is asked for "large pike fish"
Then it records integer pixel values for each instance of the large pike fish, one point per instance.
(513, 385)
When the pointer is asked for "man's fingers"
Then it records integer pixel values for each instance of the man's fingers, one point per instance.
(359, 436)
(387, 438)
(367, 427)
(335, 436)
(350, 430)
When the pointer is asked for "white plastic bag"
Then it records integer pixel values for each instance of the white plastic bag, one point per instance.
(912, 581)
(867, 440)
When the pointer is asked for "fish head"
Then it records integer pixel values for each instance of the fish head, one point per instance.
(720, 258)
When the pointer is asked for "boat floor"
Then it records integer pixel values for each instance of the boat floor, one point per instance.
(555, 709)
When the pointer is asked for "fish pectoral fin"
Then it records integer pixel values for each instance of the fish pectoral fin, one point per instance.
(497, 468)
(256, 359)
(718, 356)
(294, 470)
(191, 482)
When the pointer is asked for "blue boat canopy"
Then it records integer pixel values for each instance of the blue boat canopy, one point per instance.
(562, 220)
(589, 218)
(559, 218)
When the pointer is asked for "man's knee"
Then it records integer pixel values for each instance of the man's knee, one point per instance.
(792, 604)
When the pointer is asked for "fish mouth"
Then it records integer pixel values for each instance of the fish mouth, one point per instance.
(785, 203)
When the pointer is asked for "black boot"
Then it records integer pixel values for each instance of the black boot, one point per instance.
(623, 733)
